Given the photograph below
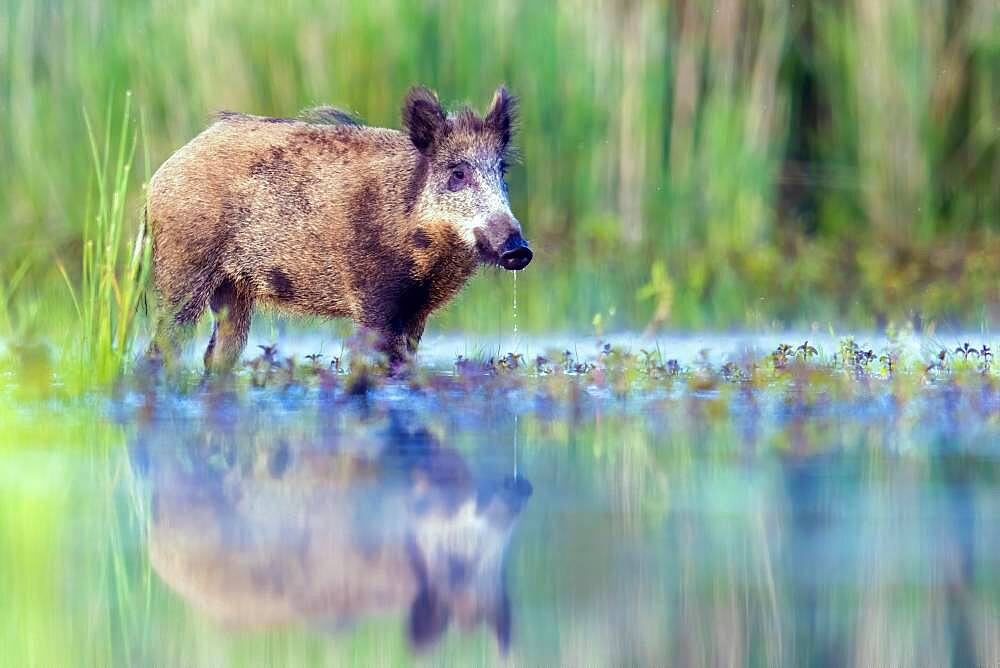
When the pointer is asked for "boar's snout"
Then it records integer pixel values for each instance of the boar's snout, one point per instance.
(500, 242)
(515, 253)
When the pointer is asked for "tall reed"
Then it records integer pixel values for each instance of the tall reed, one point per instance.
(116, 253)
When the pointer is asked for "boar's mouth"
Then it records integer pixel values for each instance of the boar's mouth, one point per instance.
(487, 254)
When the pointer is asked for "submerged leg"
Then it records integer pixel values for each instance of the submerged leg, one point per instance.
(232, 307)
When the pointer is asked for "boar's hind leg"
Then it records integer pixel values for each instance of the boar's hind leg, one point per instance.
(232, 307)
(175, 323)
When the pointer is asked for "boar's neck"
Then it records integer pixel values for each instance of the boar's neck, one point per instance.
(401, 264)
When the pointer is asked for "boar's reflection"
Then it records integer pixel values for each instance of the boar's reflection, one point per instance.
(291, 533)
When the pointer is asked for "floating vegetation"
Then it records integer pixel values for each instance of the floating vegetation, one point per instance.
(794, 378)
(631, 372)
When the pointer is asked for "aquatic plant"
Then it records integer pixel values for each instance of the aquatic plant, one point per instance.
(805, 350)
(314, 359)
(986, 355)
(888, 360)
(965, 350)
(781, 356)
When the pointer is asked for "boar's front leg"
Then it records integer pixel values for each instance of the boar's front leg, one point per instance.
(394, 347)
(413, 332)
(399, 340)
(399, 346)
(397, 315)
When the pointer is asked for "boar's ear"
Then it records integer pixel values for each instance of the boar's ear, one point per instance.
(423, 118)
(502, 115)
(429, 617)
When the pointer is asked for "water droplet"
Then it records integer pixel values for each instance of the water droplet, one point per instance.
(515, 346)
(515, 307)
(515, 446)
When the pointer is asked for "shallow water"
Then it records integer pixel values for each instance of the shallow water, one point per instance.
(537, 521)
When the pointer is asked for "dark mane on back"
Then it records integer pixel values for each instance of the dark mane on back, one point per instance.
(324, 115)
(237, 116)
(327, 115)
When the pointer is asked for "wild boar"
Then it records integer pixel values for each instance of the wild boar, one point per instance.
(312, 535)
(331, 218)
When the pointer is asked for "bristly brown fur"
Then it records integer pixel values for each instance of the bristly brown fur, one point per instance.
(329, 218)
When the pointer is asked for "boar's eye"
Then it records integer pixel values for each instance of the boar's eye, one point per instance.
(460, 176)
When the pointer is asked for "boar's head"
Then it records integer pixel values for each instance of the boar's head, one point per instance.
(459, 177)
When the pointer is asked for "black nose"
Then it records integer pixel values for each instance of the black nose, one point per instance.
(515, 254)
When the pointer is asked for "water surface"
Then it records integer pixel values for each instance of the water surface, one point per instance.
(535, 520)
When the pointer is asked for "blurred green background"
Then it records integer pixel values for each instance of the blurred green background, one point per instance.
(736, 164)
(721, 165)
